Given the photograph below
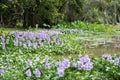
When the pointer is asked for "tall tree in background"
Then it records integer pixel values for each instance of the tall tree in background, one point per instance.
(115, 13)
(26, 13)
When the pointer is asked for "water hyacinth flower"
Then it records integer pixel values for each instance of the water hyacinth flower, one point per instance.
(107, 56)
(80, 65)
(3, 45)
(7, 41)
(34, 39)
(28, 73)
(37, 73)
(66, 63)
(46, 58)
(15, 42)
(54, 39)
(116, 61)
(60, 72)
(2, 38)
(61, 66)
(85, 58)
(47, 65)
(29, 62)
(24, 45)
(29, 43)
(57, 63)
(35, 45)
(2, 71)
(74, 65)
(84, 63)
(88, 66)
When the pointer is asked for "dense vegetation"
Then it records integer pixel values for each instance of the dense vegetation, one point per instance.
(26, 13)
(80, 42)
(34, 55)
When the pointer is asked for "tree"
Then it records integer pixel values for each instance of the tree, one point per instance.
(115, 13)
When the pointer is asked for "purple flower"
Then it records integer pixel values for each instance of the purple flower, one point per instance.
(84, 59)
(2, 38)
(29, 43)
(24, 46)
(37, 73)
(47, 65)
(57, 63)
(74, 64)
(116, 61)
(3, 45)
(60, 72)
(66, 63)
(88, 66)
(29, 62)
(2, 71)
(7, 41)
(15, 42)
(61, 65)
(46, 58)
(107, 56)
(28, 73)
(35, 45)
(80, 65)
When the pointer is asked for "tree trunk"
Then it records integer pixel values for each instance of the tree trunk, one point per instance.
(1, 20)
(115, 14)
(25, 18)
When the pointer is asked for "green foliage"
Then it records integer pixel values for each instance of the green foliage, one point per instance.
(51, 12)
(16, 66)
(95, 27)
(14, 58)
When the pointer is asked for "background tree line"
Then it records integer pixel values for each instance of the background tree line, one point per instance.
(26, 13)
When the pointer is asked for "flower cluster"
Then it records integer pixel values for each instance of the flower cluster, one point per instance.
(32, 39)
(29, 73)
(2, 71)
(47, 65)
(116, 61)
(107, 56)
(36, 72)
(29, 62)
(3, 41)
(84, 63)
(61, 66)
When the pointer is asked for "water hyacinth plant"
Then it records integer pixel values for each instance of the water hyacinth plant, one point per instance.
(28, 73)
(29, 62)
(83, 65)
(37, 73)
(2, 71)
(32, 55)
(27, 39)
